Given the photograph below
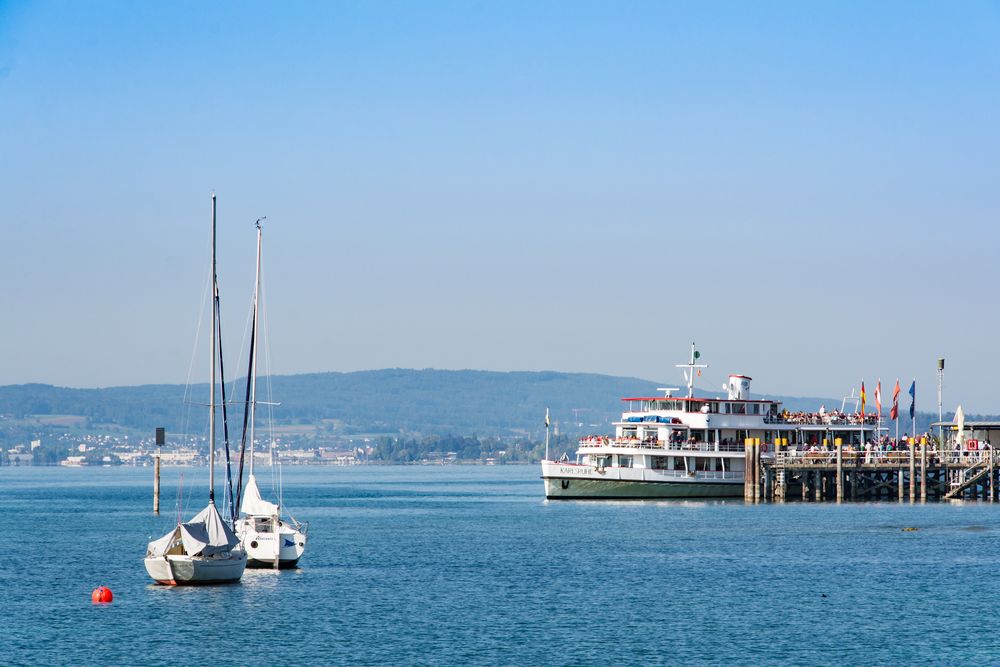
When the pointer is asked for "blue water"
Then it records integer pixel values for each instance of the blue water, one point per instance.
(469, 565)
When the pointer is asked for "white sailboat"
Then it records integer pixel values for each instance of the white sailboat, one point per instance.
(269, 540)
(204, 550)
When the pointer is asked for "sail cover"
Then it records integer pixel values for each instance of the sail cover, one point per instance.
(204, 535)
(253, 504)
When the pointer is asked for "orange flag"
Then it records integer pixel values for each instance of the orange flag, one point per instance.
(894, 413)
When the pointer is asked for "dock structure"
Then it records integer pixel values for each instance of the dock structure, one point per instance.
(967, 468)
(846, 474)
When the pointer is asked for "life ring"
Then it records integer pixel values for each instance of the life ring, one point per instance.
(564, 484)
(763, 448)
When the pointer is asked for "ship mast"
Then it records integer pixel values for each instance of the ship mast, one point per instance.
(211, 400)
(690, 366)
(253, 362)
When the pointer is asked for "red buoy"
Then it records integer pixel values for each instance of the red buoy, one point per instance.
(101, 595)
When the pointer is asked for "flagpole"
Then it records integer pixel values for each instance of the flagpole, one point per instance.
(895, 409)
(878, 408)
(546, 434)
(862, 439)
(913, 441)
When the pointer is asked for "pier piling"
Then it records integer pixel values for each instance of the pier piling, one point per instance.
(923, 470)
(840, 472)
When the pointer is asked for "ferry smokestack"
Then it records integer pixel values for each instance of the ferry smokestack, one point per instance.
(739, 387)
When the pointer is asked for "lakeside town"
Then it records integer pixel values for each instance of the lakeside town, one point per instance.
(77, 450)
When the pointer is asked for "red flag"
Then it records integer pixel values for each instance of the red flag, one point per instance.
(878, 398)
(863, 397)
(894, 413)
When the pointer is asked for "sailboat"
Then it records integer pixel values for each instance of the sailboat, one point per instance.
(269, 540)
(204, 550)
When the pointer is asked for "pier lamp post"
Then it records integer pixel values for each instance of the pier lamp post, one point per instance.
(940, 378)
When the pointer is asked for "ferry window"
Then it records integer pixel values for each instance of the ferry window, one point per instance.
(659, 462)
(679, 463)
(756, 409)
(739, 408)
(728, 407)
(625, 461)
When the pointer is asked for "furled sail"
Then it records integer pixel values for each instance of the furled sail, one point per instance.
(253, 504)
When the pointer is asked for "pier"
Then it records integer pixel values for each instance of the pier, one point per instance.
(847, 474)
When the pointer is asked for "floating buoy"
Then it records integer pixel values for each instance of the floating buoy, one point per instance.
(101, 595)
(909, 529)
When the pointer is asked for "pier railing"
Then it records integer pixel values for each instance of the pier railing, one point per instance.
(895, 457)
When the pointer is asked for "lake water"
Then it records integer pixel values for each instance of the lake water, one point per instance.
(469, 565)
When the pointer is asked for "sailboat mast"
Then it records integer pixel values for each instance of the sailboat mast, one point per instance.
(211, 400)
(256, 339)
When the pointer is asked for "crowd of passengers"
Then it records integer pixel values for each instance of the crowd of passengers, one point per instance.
(824, 417)
(886, 449)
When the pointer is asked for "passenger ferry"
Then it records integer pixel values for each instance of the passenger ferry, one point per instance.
(687, 447)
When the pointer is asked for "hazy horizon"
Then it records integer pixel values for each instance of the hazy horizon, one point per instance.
(808, 191)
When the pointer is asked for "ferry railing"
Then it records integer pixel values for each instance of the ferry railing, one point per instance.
(663, 445)
(816, 419)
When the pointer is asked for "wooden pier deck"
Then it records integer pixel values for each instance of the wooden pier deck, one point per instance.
(843, 474)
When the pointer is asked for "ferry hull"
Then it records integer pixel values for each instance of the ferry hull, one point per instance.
(187, 571)
(578, 489)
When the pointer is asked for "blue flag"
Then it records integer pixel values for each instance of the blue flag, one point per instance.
(913, 398)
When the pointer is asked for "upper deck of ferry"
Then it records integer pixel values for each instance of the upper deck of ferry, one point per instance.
(723, 423)
(647, 409)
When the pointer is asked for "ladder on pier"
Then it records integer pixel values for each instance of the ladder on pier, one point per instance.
(779, 474)
(967, 478)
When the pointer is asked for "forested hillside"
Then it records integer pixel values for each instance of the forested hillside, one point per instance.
(383, 401)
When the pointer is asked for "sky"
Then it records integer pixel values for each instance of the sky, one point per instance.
(808, 190)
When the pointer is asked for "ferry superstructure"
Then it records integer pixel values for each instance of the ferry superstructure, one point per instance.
(691, 447)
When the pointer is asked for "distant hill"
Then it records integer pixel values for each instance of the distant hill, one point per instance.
(405, 401)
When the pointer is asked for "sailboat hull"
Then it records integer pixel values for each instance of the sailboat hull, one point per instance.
(188, 571)
(262, 547)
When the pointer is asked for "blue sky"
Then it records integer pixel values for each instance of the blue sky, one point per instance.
(809, 190)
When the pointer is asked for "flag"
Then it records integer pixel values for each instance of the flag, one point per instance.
(546, 417)
(878, 398)
(894, 413)
(863, 398)
(913, 398)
